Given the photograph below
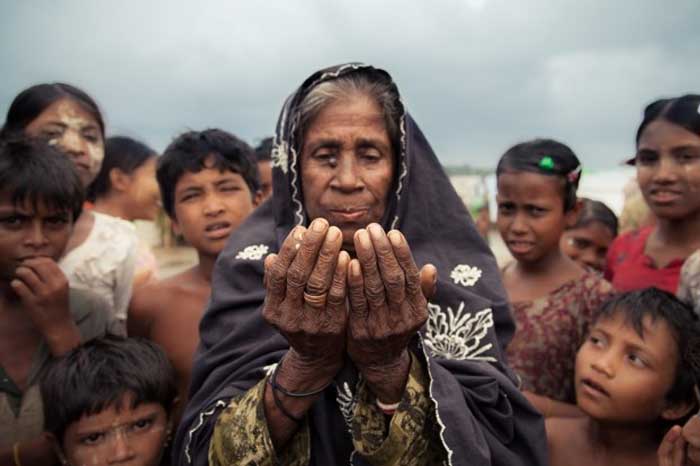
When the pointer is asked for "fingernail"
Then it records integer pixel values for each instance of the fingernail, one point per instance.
(355, 267)
(376, 231)
(318, 225)
(299, 233)
(395, 237)
(333, 233)
(363, 236)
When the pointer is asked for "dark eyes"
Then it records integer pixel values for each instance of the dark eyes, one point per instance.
(581, 243)
(92, 439)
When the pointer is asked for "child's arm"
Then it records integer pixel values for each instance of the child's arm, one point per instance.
(35, 452)
(140, 318)
(43, 289)
(552, 408)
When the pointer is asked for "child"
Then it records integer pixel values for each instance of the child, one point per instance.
(668, 172)
(109, 402)
(126, 188)
(634, 378)
(552, 297)
(263, 154)
(101, 252)
(41, 196)
(587, 242)
(209, 185)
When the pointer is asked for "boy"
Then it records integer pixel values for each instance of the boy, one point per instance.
(209, 184)
(263, 154)
(634, 378)
(41, 196)
(109, 402)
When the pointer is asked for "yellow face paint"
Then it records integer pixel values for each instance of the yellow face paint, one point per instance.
(68, 126)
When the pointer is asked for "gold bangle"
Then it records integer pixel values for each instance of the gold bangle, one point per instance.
(15, 454)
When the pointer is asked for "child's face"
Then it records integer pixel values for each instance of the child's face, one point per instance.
(588, 245)
(127, 436)
(265, 172)
(209, 206)
(143, 193)
(26, 232)
(622, 377)
(668, 169)
(531, 215)
(68, 126)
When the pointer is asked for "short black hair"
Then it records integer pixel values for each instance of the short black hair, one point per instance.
(97, 374)
(121, 152)
(683, 111)
(188, 153)
(662, 305)
(545, 157)
(33, 171)
(31, 102)
(596, 211)
(263, 151)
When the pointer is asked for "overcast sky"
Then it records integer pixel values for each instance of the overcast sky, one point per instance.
(477, 75)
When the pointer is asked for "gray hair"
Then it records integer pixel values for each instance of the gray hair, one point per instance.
(359, 83)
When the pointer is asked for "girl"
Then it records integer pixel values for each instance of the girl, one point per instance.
(587, 242)
(668, 172)
(552, 297)
(101, 251)
(126, 188)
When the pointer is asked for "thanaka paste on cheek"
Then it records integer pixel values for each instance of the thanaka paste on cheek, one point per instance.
(75, 123)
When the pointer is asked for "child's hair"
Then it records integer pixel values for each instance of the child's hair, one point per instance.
(32, 171)
(545, 157)
(123, 153)
(188, 153)
(662, 305)
(31, 102)
(683, 111)
(98, 374)
(596, 211)
(263, 151)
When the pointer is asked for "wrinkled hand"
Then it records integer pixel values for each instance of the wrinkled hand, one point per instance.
(388, 305)
(43, 289)
(305, 300)
(681, 445)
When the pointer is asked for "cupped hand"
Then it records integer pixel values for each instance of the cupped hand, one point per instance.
(388, 298)
(305, 299)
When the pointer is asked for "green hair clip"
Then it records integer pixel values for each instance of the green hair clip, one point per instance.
(546, 163)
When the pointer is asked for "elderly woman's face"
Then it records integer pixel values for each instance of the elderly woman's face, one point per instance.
(347, 165)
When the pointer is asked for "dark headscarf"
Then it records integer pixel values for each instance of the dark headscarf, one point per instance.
(483, 417)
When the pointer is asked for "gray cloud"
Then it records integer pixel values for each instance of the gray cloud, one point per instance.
(478, 75)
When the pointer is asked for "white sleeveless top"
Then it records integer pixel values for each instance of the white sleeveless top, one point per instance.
(104, 264)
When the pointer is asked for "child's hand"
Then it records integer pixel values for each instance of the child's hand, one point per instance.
(43, 289)
(671, 451)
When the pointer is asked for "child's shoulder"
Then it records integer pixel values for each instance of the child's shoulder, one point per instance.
(167, 294)
(567, 441)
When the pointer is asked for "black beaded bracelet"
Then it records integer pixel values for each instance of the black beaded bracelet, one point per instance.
(281, 389)
(280, 406)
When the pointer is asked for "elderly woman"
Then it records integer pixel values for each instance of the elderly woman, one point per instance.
(320, 345)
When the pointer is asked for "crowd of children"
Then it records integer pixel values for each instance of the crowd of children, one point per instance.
(607, 339)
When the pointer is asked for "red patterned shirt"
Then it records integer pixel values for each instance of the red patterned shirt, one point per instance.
(549, 331)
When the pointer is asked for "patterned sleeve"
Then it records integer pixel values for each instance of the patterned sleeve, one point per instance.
(413, 433)
(241, 436)
(689, 283)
